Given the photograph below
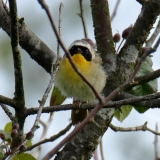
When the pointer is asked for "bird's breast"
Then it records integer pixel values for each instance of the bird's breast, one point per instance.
(81, 63)
(72, 85)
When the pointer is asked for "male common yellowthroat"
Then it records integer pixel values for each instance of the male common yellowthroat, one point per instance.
(70, 83)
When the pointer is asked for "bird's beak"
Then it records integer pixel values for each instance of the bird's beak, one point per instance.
(79, 50)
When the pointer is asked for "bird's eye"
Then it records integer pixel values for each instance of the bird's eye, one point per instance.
(86, 51)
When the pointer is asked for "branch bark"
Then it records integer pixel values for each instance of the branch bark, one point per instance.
(88, 138)
(19, 89)
(7, 101)
(103, 35)
(150, 101)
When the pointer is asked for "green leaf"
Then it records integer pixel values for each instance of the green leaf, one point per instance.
(146, 67)
(146, 88)
(29, 143)
(1, 153)
(56, 98)
(148, 60)
(140, 109)
(8, 127)
(126, 109)
(24, 156)
(6, 135)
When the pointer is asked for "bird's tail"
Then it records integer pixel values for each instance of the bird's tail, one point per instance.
(78, 115)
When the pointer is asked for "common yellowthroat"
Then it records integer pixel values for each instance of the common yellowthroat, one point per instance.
(70, 83)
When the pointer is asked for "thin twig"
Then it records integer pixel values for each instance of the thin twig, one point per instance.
(101, 149)
(46, 125)
(156, 44)
(154, 35)
(46, 8)
(156, 143)
(52, 138)
(134, 100)
(58, 46)
(148, 77)
(82, 18)
(120, 44)
(42, 102)
(133, 129)
(95, 154)
(7, 111)
(115, 9)
(59, 27)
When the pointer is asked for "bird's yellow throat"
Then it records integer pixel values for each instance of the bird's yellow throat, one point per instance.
(82, 64)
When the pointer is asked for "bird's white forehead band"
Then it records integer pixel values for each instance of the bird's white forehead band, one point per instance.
(83, 44)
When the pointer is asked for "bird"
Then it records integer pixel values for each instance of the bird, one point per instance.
(71, 85)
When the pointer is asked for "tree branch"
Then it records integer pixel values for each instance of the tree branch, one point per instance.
(52, 138)
(82, 18)
(152, 103)
(148, 101)
(156, 144)
(8, 113)
(7, 101)
(19, 90)
(42, 102)
(144, 79)
(101, 150)
(95, 155)
(103, 35)
(59, 28)
(147, 77)
(154, 35)
(133, 129)
(115, 9)
(46, 126)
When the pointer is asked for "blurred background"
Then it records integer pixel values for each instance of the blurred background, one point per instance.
(133, 145)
